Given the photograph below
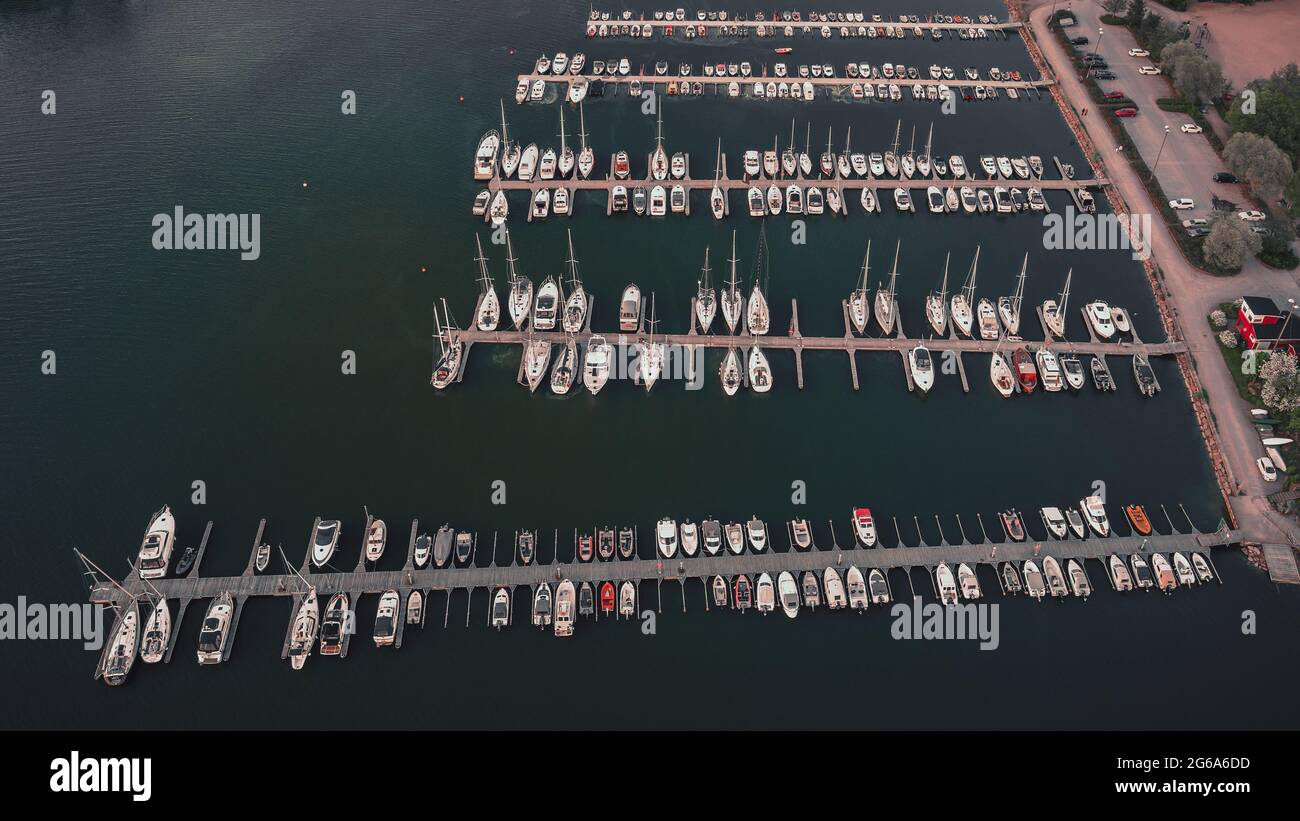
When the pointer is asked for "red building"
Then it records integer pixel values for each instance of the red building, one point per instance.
(1264, 326)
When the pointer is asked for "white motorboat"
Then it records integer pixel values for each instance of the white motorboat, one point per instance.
(1100, 318)
(987, 316)
(756, 532)
(946, 583)
(834, 589)
(922, 367)
(666, 537)
(215, 629)
(765, 595)
(546, 305)
(1034, 584)
(595, 370)
(857, 588)
(1053, 520)
(485, 156)
(564, 609)
(156, 548)
(788, 593)
(1049, 370)
(629, 312)
(324, 541)
(528, 163)
(1094, 512)
(967, 583)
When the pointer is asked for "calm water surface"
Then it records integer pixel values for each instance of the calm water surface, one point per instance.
(177, 367)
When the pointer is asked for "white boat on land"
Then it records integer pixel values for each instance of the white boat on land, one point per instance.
(857, 589)
(936, 304)
(303, 638)
(1054, 309)
(834, 589)
(157, 632)
(1094, 512)
(120, 653)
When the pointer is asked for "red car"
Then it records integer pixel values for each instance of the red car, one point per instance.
(1114, 95)
(1126, 112)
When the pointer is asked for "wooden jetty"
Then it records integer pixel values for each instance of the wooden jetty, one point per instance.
(747, 83)
(813, 26)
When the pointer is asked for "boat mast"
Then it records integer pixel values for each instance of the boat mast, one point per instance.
(897, 128)
(893, 275)
(943, 288)
(659, 128)
(705, 286)
(866, 270)
(929, 140)
(733, 261)
(1065, 294)
(970, 278)
(807, 139)
(510, 260)
(562, 143)
(572, 262)
(911, 147)
(1020, 288)
(482, 264)
(582, 126)
(505, 139)
(717, 165)
(848, 137)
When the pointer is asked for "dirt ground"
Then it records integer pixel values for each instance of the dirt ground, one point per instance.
(1248, 41)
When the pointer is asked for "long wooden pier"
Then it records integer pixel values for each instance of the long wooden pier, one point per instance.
(846, 183)
(748, 82)
(799, 26)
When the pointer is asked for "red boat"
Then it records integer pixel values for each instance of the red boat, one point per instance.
(743, 592)
(1023, 364)
(607, 597)
(584, 548)
(784, 50)
(1012, 525)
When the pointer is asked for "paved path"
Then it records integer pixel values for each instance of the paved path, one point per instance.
(1192, 295)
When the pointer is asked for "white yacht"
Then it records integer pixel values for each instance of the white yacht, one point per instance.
(886, 303)
(156, 548)
(730, 373)
(546, 307)
(629, 311)
(485, 157)
(988, 319)
(385, 632)
(946, 583)
(859, 306)
(764, 597)
(564, 609)
(595, 366)
(760, 372)
(528, 163)
(756, 530)
(1053, 520)
(1094, 512)
(324, 541)
(216, 628)
(936, 308)
(706, 303)
(788, 593)
(489, 306)
(1100, 318)
(666, 537)
(1049, 370)
(857, 588)
(922, 367)
(834, 588)
(119, 655)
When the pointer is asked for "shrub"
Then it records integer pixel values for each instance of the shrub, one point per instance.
(1219, 318)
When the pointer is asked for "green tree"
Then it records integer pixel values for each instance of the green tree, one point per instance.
(1272, 109)
(1281, 390)
(1196, 77)
(1260, 163)
(1229, 243)
(1137, 12)
(1113, 6)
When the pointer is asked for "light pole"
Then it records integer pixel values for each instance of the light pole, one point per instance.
(1158, 153)
(1096, 52)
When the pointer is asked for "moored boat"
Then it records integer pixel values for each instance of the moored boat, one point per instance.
(1079, 584)
(216, 629)
(120, 652)
(303, 637)
(335, 625)
(542, 614)
(1137, 517)
(157, 632)
(946, 584)
(1119, 575)
(1011, 578)
(788, 594)
(385, 633)
(834, 589)
(1164, 573)
(1034, 584)
(856, 584)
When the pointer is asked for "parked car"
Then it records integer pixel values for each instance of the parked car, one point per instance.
(1224, 176)
(1191, 128)
(1198, 232)
(1079, 41)
(1138, 52)
(1266, 469)
(1251, 216)
(1263, 231)
(1105, 74)
(1126, 112)
(1148, 70)
(1196, 222)
(1114, 95)
(1182, 204)
(1093, 57)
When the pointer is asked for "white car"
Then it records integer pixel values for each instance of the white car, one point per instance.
(1182, 204)
(1191, 128)
(1148, 70)
(1138, 52)
(1251, 216)
(1266, 469)
(1198, 222)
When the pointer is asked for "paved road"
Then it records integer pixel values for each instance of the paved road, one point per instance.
(1188, 162)
(1193, 294)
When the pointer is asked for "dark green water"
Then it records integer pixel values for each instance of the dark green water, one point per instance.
(175, 367)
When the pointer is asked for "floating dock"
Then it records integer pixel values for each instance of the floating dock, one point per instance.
(512, 575)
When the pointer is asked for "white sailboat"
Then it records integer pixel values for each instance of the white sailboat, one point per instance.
(520, 301)
(448, 366)
(565, 370)
(805, 159)
(706, 302)
(758, 317)
(659, 159)
(936, 308)
(652, 353)
(510, 151)
(923, 163)
(963, 302)
(907, 162)
(304, 630)
(586, 157)
(537, 357)
(575, 307)
(886, 301)
(858, 303)
(718, 199)
(842, 162)
(1000, 375)
(729, 372)
(789, 161)
(565, 163)
(489, 306)
(891, 156)
(1054, 309)
(1009, 306)
(760, 372)
(733, 301)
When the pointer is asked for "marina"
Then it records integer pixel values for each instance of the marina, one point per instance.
(410, 587)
